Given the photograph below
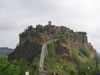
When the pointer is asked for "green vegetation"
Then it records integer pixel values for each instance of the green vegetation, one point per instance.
(81, 33)
(35, 66)
(14, 67)
(63, 37)
(81, 55)
(78, 62)
(84, 52)
(30, 31)
(86, 70)
(87, 66)
(51, 48)
(19, 67)
(56, 63)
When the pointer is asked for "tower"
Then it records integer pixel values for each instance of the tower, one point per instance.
(49, 23)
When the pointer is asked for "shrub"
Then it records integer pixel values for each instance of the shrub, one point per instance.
(83, 70)
(30, 30)
(34, 32)
(14, 67)
(30, 27)
(81, 33)
(84, 52)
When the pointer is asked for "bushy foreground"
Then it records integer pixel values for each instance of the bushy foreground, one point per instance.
(14, 67)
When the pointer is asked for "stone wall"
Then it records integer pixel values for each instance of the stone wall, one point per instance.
(52, 29)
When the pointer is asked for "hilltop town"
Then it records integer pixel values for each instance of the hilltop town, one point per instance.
(69, 46)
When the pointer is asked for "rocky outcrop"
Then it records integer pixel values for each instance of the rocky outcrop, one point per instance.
(32, 39)
(78, 39)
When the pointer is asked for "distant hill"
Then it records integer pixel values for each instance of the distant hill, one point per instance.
(4, 51)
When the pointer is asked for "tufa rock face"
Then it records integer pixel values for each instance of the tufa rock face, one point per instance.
(32, 39)
(53, 30)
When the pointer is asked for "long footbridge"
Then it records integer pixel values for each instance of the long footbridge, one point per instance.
(44, 52)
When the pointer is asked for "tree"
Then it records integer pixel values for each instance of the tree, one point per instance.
(14, 67)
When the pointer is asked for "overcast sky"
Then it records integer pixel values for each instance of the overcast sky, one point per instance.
(79, 15)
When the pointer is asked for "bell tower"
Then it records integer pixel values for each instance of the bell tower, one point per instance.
(49, 23)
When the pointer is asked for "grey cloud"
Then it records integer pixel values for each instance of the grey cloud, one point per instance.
(5, 27)
(15, 15)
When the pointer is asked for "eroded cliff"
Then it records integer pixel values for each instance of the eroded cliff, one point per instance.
(32, 39)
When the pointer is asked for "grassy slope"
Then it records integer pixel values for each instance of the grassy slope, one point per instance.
(54, 62)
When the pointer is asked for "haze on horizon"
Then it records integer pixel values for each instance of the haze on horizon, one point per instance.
(79, 15)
